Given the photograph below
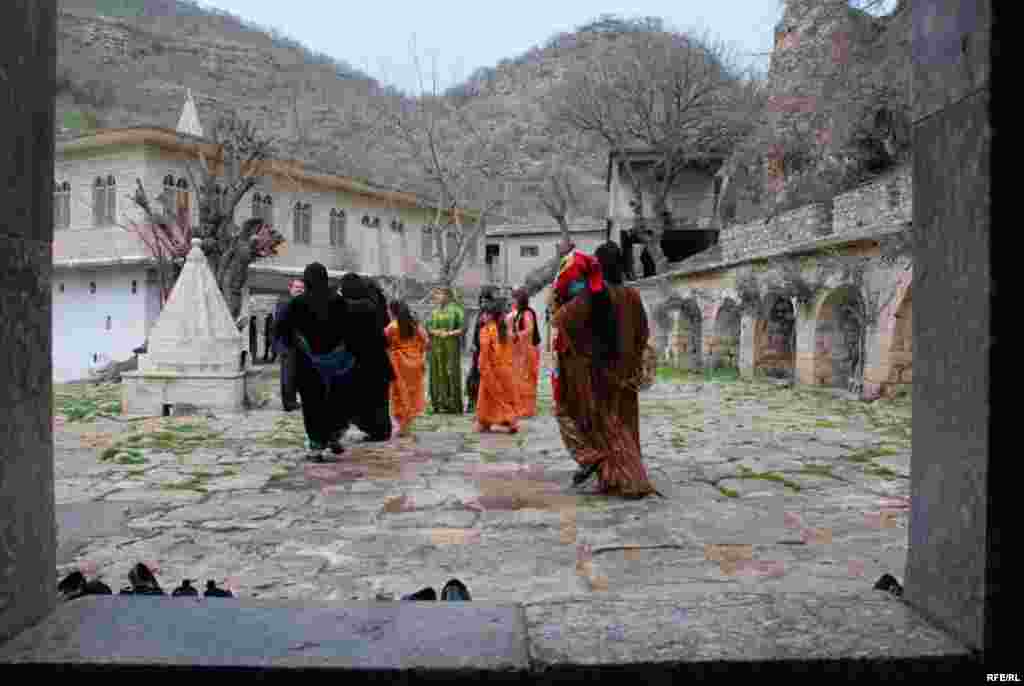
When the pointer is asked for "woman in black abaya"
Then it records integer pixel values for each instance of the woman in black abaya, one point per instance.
(317, 322)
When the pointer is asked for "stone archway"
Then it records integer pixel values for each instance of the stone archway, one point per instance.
(837, 344)
(684, 340)
(900, 348)
(724, 344)
(775, 338)
(678, 333)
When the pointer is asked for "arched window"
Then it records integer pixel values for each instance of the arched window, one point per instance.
(62, 205)
(111, 199)
(257, 205)
(341, 227)
(92, 287)
(109, 323)
(308, 223)
(62, 288)
(427, 243)
(135, 287)
(183, 200)
(99, 201)
(297, 222)
(268, 210)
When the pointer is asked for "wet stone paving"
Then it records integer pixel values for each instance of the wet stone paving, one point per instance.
(768, 489)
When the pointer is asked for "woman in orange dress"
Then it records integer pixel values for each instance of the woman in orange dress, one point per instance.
(496, 403)
(407, 345)
(523, 322)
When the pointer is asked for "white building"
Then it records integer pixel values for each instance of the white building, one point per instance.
(106, 296)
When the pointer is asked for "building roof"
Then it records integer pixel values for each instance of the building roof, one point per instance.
(698, 161)
(531, 230)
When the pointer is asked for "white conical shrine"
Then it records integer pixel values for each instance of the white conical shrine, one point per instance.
(189, 120)
(194, 350)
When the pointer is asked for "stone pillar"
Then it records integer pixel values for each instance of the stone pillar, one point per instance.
(953, 571)
(28, 534)
(806, 345)
(746, 355)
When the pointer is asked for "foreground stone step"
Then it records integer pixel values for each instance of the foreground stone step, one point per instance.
(561, 638)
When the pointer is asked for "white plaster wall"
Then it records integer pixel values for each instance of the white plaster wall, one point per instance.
(79, 319)
(81, 169)
(513, 268)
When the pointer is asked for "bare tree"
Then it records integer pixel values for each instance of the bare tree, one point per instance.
(238, 157)
(443, 138)
(561, 198)
(673, 95)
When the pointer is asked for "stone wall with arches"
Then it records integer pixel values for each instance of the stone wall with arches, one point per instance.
(699, 319)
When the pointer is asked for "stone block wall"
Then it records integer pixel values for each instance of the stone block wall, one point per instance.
(879, 204)
(797, 226)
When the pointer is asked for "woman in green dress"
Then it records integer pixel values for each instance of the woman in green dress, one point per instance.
(445, 328)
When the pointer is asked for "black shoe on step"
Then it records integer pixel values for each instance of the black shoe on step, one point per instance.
(427, 593)
(888, 583)
(455, 590)
(186, 589)
(97, 587)
(72, 586)
(213, 592)
(143, 581)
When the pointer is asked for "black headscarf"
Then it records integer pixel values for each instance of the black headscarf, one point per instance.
(367, 305)
(610, 257)
(317, 291)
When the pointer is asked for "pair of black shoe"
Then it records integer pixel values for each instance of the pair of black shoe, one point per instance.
(75, 585)
(143, 582)
(453, 590)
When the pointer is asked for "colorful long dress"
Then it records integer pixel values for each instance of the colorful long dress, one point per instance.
(527, 363)
(446, 360)
(408, 397)
(496, 401)
(597, 417)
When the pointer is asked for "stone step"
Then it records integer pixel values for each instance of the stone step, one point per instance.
(587, 637)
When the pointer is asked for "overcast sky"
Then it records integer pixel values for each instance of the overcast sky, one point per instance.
(467, 34)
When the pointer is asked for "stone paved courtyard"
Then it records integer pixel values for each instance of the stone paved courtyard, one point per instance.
(769, 489)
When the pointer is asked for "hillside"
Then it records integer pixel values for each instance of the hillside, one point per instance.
(129, 62)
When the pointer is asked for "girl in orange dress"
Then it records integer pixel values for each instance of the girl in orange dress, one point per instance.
(496, 403)
(407, 345)
(523, 322)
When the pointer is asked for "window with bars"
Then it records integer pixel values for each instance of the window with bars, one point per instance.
(427, 243)
(62, 205)
(338, 219)
(111, 199)
(183, 200)
(303, 223)
(104, 200)
(268, 210)
(529, 251)
(99, 201)
(257, 205)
